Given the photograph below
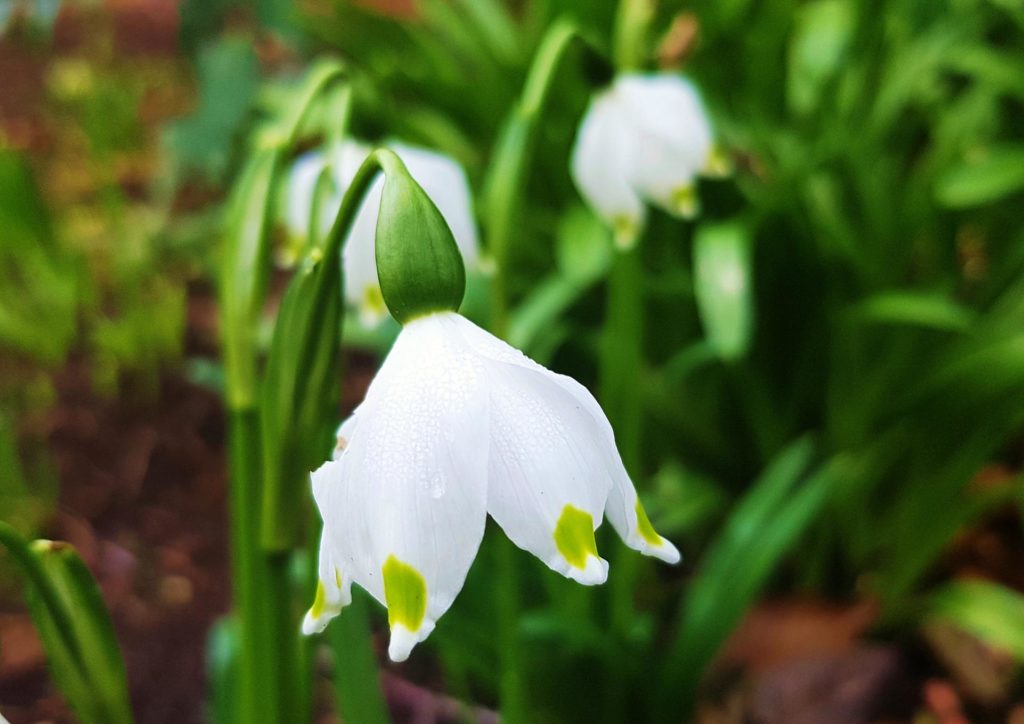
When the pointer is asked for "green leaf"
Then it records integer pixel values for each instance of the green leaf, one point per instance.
(723, 286)
(228, 80)
(357, 680)
(39, 285)
(762, 528)
(822, 36)
(986, 177)
(915, 309)
(75, 628)
(988, 610)
(583, 247)
(299, 397)
(244, 272)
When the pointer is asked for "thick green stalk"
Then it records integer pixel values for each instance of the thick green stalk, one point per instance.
(621, 362)
(622, 353)
(356, 680)
(514, 706)
(256, 685)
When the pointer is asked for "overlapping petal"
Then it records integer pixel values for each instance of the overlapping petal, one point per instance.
(404, 504)
(458, 424)
(622, 505)
(646, 137)
(602, 163)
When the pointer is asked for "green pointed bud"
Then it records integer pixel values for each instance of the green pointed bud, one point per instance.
(418, 264)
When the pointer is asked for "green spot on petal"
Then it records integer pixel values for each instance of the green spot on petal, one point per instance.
(718, 163)
(574, 536)
(319, 602)
(644, 527)
(405, 592)
(684, 201)
(625, 230)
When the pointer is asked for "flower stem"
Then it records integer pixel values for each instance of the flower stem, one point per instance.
(513, 155)
(255, 676)
(621, 362)
(632, 24)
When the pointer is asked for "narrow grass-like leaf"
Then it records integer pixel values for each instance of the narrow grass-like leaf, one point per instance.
(915, 309)
(75, 629)
(758, 532)
(356, 678)
(993, 175)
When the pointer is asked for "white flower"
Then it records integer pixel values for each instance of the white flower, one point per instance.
(646, 138)
(455, 426)
(442, 178)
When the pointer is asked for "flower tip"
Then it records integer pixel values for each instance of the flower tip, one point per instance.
(625, 232)
(666, 552)
(314, 624)
(403, 641)
(684, 202)
(593, 573)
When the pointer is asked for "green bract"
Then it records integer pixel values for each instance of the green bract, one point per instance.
(418, 264)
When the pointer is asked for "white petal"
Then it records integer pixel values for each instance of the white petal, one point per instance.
(548, 480)
(675, 139)
(409, 490)
(333, 591)
(601, 163)
(622, 507)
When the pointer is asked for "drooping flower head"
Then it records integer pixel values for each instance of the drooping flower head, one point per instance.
(440, 176)
(646, 138)
(457, 425)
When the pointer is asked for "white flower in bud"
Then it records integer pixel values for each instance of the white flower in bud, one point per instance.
(645, 139)
(456, 426)
(442, 179)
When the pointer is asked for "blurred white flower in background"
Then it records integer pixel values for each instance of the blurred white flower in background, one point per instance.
(458, 425)
(644, 139)
(440, 176)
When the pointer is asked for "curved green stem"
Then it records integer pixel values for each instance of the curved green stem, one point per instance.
(513, 155)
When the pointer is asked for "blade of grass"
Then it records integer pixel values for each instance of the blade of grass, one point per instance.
(758, 533)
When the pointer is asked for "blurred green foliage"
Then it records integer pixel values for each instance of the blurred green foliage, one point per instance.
(831, 353)
(859, 279)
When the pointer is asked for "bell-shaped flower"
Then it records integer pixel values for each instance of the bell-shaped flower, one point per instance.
(457, 425)
(440, 176)
(644, 139)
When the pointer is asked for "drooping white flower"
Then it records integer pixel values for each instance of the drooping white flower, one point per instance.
(644, 139)
(441, 177)
(458, 425)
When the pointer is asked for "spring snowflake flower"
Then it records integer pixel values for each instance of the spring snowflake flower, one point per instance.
(440, 176)
(646, 138)
(458, 425)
